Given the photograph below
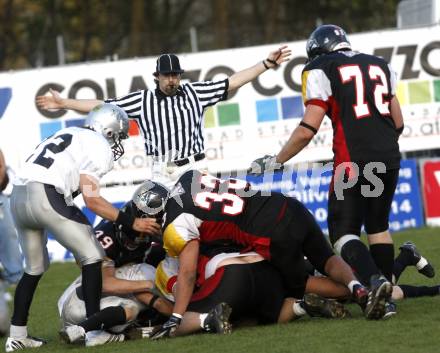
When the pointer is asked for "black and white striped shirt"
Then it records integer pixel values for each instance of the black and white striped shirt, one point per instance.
(173, 125)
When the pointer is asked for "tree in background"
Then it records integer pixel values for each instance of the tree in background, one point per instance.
(104, 29)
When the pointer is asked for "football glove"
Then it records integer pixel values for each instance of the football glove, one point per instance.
(264, 164)
(168, 329)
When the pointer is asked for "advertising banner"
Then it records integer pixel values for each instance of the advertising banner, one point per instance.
(311, 187)
(431, 190)
(255, 120)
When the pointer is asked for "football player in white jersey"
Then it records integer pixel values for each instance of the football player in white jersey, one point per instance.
(71, 161)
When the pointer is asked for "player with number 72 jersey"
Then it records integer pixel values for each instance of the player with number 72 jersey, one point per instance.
(355, 90)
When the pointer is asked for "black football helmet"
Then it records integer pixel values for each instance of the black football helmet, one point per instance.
(326, 39)
(148, 200)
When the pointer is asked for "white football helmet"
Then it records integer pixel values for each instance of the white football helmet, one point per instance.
(112, 122)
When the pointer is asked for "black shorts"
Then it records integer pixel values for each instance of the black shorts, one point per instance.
(251, 290)
(348, 215)
(300, 236)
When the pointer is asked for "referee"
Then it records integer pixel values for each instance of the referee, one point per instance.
(170, 116)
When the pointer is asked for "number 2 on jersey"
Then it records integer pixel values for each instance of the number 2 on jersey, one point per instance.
(375, 73)
(55, 147)
(232, 203)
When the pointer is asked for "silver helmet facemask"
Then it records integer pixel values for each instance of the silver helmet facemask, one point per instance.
(111, 122)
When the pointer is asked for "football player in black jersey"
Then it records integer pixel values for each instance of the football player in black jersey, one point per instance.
(203, 209)
(357, 92)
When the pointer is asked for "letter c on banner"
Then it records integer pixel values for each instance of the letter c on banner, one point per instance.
(424, 59)
(43, 90)
(288, 73)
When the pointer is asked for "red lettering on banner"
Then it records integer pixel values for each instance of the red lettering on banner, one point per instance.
(431, 188)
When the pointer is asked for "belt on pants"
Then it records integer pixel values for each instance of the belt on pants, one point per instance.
(185, 161)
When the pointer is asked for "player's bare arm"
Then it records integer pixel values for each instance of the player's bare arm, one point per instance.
(274, 59)
(113, 285)
(162, 305)
(89, 187)
(303, 133)
(3, 175)
(396, 113)
(55, 101)
(186, 277)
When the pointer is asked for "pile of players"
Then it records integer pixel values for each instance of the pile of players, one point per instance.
(210, 252)
(233, 276)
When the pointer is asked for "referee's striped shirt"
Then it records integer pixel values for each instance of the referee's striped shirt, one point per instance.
(173, 125)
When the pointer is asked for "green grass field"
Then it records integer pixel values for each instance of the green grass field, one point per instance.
(414, 329)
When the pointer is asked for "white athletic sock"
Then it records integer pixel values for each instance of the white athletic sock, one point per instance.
(352, 284)
(298, 309)
(18, 331)
(422, 263)
(202, 320)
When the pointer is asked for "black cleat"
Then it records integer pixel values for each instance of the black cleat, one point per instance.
(422, 264)
(379, 294)
(317, 306)
(217, 320)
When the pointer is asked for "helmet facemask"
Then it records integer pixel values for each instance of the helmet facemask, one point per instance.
(117, 146)
(150, 200)
(112, 122)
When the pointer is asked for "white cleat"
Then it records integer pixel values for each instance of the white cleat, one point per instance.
(14, 344)
(97, 338)
(73, 334)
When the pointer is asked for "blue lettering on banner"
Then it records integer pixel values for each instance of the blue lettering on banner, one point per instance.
(5, 98)
(406, 208)
(311, 187)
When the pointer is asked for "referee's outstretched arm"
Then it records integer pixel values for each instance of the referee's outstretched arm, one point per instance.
(274, 59)
(55, 101)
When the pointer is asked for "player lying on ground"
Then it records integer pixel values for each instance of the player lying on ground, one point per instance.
(250, 286)
(205, 209)
(128, 274)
